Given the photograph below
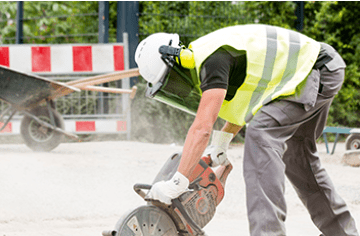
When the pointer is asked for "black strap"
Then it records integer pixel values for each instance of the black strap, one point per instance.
(324, 57)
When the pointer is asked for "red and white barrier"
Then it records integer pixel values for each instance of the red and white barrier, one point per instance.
(63, 58)
(95, 126)
(67, 59)
(77, 126)
(11, 128)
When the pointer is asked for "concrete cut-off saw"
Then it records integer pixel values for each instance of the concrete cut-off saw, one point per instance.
(188, 214)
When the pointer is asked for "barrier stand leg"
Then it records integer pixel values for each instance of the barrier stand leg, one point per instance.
(336, 139)
(326, 143)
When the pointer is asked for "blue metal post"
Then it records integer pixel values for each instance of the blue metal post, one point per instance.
(19, 22)
(120, 26)
(128, 21)
(121, 15)
(132, 28)
(103, 105)
(299, 12)
(127, 33)
(103, 22)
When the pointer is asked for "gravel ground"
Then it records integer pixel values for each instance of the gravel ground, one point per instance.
(81, 189)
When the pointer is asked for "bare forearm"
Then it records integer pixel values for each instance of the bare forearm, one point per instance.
(200, 131)
(195, 144)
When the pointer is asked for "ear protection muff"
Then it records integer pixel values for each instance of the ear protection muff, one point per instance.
(187, 58)
(183, 56)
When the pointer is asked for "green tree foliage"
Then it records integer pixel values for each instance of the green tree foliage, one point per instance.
(51, 22)
(192, 19)
(7, 20)
(338, 24)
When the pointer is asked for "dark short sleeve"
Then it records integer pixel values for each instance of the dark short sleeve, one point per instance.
(216, 70)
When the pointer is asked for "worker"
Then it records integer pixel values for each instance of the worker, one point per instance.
(277, 81)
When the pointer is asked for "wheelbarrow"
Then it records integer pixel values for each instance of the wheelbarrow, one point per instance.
(352, 141)
(42, 127)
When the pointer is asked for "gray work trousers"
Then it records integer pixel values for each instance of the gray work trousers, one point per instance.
(279, 141)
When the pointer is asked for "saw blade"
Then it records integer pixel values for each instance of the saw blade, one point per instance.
(146, 221)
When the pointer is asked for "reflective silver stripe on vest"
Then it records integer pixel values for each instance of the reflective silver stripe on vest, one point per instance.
(291, 65)
(270, 56)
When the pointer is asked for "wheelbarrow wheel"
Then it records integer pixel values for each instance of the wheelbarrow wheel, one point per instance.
(353, 142)
(40, 138)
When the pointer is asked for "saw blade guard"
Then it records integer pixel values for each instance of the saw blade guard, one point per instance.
(145, 221)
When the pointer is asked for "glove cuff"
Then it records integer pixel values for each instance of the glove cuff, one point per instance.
(221, 139)
(179, 181)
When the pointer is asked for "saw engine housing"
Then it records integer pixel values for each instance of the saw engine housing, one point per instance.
(200, 204)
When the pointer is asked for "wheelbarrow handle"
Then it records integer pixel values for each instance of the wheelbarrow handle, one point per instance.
(138, 188)
(6, 111)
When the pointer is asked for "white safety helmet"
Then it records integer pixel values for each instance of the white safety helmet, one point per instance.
(148, 58)
(168, 67)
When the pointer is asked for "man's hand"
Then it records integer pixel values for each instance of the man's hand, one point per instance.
(165, 191)
(218, 147)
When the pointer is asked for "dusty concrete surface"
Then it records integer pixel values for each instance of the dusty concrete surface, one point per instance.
(81, 189)
(351, 158)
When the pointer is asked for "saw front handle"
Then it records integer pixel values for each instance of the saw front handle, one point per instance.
(138, 188)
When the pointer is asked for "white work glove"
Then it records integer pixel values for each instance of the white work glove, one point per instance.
(164, 191)
(218, 147)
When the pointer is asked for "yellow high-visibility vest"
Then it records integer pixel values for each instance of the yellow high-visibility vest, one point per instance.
(278, 60)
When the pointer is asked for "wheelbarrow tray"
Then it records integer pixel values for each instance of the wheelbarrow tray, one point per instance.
(25, 91)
